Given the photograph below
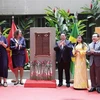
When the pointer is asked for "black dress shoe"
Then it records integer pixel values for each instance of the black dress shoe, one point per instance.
(16, 82)
(92, 89)
(98, 90)
(21, 83)
(60, 84)
(68, 85)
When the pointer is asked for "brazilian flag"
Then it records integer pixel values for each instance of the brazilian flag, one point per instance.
(73, 39)
(74, 34)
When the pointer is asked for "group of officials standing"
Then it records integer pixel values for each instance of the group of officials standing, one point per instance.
(65, 49)
(17, 45)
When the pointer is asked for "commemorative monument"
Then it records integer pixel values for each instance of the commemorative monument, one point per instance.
(42, 57)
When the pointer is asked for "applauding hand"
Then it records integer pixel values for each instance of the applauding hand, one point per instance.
(20, 46)
(62, 43)
(1, 42)
(92, 50)
(16, 45)
(77, 51)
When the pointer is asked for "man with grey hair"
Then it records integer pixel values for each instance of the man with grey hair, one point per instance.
(63, 51)
(94, 53)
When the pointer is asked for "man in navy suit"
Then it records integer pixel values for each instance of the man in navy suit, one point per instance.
(63, 52)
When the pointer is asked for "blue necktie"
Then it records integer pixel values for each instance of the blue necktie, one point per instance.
(94, 45)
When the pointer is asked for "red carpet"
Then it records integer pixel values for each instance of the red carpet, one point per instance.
(63, 93)
(40, 84)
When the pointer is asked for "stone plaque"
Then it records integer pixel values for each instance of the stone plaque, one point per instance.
(42, 54)
(42, 46)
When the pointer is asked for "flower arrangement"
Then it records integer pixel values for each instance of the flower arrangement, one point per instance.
(41, 70)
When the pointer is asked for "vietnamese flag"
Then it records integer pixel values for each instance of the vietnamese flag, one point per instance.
(11, 34)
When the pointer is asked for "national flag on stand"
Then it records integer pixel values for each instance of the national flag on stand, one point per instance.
(11, 34)
(73, 39)
(74, 34)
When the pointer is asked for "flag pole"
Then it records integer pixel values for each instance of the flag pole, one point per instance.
(12, 18)
(76, 17)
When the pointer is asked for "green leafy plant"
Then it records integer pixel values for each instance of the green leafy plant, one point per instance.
(63, 21)
(81, 26)
(58, 18)
(5, 32)
(24, 25)
(93, 12)
(2, 22)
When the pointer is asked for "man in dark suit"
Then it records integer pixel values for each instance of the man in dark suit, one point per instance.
(94, 53)
(63, 51)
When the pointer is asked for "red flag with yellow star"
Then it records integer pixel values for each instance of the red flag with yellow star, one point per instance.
(11, 34)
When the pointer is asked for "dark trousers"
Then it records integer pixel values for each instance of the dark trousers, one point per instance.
(66, 66)
(95, 75)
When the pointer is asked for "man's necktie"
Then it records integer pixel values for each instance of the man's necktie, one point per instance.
(94, 45)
